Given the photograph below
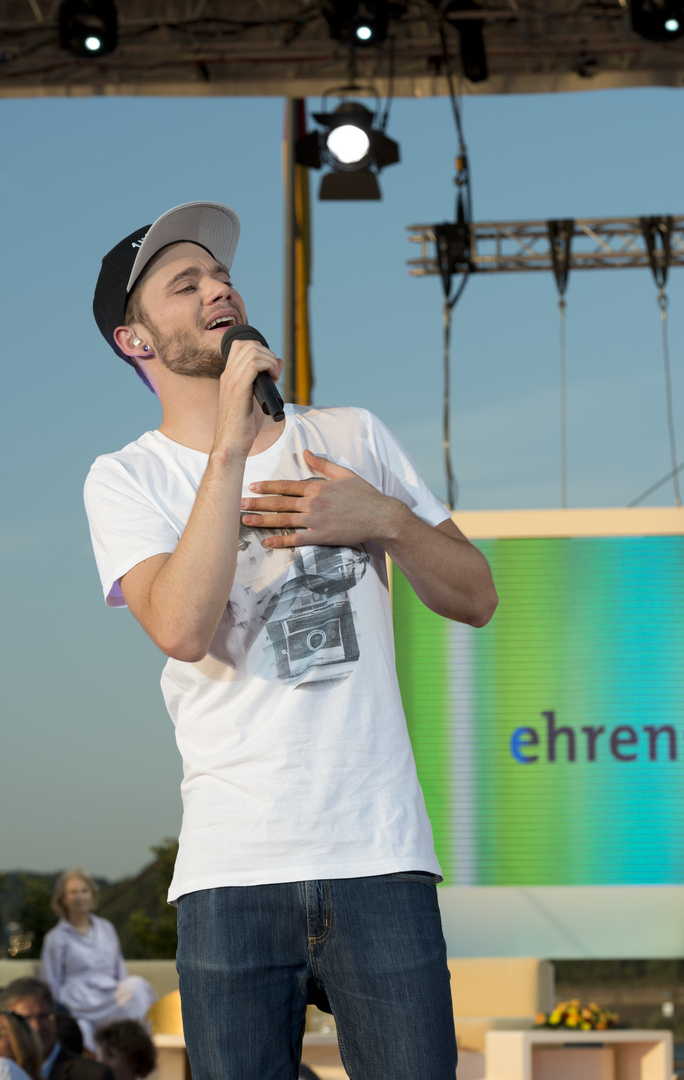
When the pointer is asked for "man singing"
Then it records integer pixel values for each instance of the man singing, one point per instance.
(253, 554)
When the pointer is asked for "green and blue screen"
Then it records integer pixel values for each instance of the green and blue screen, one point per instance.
(550, 744)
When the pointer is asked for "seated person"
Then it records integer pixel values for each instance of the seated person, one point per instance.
(126, 1048)
(32, 999)
(82, 963)
(19, 1049)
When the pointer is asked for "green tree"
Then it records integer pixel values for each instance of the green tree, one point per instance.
(151, 932)
(35, 914)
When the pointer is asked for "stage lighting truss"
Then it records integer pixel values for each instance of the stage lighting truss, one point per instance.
(597, 243)
(88, 28)
(658, 20)
(353, 145)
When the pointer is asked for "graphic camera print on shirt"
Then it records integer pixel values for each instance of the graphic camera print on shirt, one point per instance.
(298, 599)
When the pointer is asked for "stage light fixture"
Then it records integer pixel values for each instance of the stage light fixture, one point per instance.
(88, 28)
(473, 55)
(658, 20)
(352, 147)
(361, 23)
(473, 52)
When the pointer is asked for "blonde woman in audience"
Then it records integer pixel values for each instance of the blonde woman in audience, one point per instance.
(82, 963)
(20, 1050)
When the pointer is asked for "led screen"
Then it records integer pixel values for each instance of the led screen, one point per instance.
(550, 744)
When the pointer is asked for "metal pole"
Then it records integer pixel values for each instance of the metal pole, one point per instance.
(289, 297)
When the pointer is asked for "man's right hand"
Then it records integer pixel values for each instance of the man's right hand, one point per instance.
(239, 419)
(179, 598)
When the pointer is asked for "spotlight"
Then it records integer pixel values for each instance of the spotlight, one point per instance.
(88, 27)
(348, 145)
(361, 23)
(658, 20)
(351, 146)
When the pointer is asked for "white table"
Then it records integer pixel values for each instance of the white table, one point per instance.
(320, 1052)
(545, 1054)
(172, 1059)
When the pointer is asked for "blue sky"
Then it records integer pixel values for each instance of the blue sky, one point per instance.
(90, 769)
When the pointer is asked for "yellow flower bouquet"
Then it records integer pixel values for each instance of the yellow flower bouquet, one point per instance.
(574, 1015)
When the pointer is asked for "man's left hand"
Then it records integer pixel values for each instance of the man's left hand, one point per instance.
(341, 509)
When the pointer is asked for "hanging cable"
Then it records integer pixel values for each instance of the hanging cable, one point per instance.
(452, 488)
(662, 303)
(447, 308)
(563, 410)
(656, 229)
(390, 87)
(456, 109)
(654, 487)
(560, 239)
(453, 257)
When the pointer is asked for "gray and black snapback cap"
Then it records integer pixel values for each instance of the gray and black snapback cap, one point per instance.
(211, 225)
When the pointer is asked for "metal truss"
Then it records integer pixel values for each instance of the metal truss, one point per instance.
(597, 243)
(284, 48)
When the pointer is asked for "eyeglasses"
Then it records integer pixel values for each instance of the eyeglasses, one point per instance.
(29, 1016)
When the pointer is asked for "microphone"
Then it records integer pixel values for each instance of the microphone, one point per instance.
(264, 388)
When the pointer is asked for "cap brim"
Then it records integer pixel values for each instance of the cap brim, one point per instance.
(212, 225)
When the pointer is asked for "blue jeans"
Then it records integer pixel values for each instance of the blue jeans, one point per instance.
(249, 956)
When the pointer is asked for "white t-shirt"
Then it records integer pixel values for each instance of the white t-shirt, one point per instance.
(296, 757)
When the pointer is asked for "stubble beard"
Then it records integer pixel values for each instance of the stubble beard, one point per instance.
(182, 355)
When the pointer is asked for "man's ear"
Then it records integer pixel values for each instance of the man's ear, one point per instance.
(131, 344)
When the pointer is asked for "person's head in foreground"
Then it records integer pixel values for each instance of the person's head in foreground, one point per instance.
(32, 999)
(126, 1048)
(19, 1043)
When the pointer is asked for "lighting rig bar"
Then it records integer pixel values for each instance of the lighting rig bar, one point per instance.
(596, 243)
(287, 48)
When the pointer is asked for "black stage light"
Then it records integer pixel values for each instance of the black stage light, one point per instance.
(360, 23)
(88, 28)
(473, 53)
(658, 20)
(352, 147)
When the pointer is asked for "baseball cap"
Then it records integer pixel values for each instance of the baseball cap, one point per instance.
(211, 225)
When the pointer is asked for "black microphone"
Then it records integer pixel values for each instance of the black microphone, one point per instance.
(264, 388)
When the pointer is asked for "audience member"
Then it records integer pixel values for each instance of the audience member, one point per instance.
(68, 1031)
(20, 1054)
(82, 962)
(127, 1049)
(32, 999)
